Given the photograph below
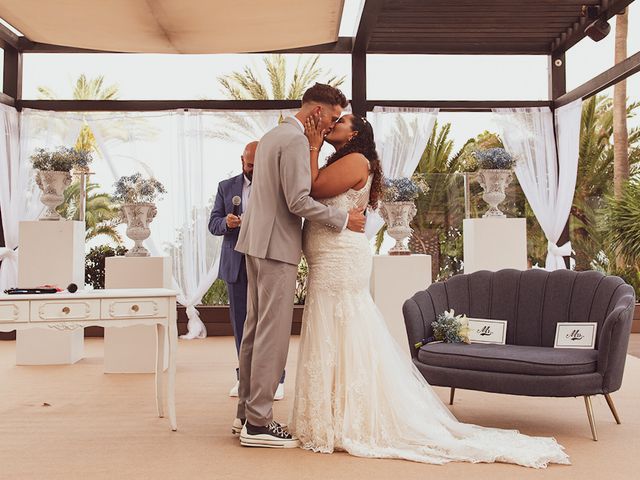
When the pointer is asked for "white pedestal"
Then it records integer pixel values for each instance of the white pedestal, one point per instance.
(132, 349)
(494, 243)
(393, 281)
(50, 253)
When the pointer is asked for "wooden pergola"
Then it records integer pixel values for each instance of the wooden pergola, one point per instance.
(413, 27)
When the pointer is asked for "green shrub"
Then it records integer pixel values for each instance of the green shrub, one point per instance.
(217, 294)
(94, 263)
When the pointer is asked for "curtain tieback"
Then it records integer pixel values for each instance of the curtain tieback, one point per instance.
(8, 254)
(195, 327)
(563, 251)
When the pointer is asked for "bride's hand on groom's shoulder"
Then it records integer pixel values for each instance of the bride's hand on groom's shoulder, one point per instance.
(314, 133)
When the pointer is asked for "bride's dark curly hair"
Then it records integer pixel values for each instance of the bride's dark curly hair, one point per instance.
(364, 144)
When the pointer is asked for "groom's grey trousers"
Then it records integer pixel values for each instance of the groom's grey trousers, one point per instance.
(265, 343)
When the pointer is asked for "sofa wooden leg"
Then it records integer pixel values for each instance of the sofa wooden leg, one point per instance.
(612, 407)
(451, 395)
(592, 422)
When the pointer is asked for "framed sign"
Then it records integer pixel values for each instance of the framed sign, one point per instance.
(487, 331)
(575, 335)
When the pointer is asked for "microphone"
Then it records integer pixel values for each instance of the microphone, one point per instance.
(236, 200)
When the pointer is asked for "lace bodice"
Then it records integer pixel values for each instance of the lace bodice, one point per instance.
(351, 198)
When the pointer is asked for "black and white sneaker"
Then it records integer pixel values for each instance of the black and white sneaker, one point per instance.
(236, 428)
(272, 435)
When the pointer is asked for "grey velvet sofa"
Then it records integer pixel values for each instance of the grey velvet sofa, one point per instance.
(532, 302)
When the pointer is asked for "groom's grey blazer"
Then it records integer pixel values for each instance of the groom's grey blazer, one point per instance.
(272, 225)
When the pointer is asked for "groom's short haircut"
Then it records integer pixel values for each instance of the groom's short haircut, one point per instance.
(323, 93)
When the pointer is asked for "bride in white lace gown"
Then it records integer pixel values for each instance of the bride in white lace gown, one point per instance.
(355, 389)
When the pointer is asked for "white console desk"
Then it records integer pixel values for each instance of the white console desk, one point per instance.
(103, 308)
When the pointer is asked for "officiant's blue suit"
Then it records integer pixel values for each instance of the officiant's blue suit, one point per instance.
(233, 269)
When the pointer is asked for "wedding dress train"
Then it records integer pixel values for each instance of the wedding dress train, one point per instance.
(357, 391)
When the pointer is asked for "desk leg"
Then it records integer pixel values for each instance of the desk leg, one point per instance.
(162, 334)
(173, 350)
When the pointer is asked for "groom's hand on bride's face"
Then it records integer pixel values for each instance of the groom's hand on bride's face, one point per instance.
(356, 220)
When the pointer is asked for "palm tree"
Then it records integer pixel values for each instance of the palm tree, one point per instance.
(102, 216)
(620, 134)
(441, 208)
(122, 128)
(248, 84)
(595, 175)
(621, 227)
(439, 211)
(85, 89)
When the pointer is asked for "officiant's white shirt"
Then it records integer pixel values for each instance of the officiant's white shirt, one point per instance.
(246, 192)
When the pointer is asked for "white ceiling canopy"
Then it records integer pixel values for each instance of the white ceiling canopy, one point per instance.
(177, 26)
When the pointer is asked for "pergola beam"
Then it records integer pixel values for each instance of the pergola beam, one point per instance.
(11, 76)
(368, 21)
(557, 76)
(343, 45)
(154, 105)
(606, 79)
(575, 33)
(8, 38)
(459, 105)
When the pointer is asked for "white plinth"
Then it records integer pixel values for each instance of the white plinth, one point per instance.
(394, 280)
(132, 349)
(50, 253)
(494, 243)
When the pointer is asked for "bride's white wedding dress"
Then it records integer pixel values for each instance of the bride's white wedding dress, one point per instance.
(356, 391)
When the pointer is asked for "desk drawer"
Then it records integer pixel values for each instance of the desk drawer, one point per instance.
(14, 312)
(134, 308)
(61, 310)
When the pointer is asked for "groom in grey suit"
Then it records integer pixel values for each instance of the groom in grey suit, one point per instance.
(271, 238)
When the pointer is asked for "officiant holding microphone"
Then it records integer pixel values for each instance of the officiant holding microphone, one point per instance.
(231, 201)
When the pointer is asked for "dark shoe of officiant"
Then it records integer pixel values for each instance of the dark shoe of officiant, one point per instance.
(226, 217)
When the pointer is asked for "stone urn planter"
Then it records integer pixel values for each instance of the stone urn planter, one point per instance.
(494, 183)
(52, 184)
(398, 216)
(138, 216)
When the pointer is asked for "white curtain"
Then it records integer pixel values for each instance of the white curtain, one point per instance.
(547, 166)
(190, 152)
(19, 194)
(10, 195)
(401, 135)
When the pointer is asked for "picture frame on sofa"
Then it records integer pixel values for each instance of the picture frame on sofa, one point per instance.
(483, 330)
(575, 335)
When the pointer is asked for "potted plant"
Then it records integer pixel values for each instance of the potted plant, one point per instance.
(494, 175)
(53, 175)
(398, 207)
(136, 196)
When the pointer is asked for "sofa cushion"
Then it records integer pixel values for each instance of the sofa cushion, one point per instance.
(510, 358)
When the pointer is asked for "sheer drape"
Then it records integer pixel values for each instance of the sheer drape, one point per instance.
(401, 135)
(189, 152)
(19, 194)
(547, 176)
